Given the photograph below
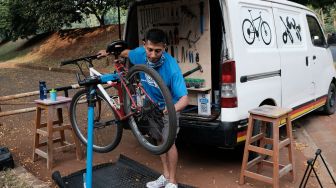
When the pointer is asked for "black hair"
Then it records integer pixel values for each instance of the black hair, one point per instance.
(156, 36)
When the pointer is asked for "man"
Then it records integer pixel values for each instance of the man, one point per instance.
(153, 54)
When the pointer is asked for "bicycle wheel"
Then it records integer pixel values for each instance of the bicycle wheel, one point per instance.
(154, 131)
(266, 34)
(248, 31)
(107, 130)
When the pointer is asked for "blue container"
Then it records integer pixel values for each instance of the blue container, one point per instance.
(43, 90)
(53, 95)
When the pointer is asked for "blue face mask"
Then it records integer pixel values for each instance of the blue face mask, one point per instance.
(157, 64)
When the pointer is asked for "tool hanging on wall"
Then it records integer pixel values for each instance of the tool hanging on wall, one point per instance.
(176, 36)
(201, 6)
(176, 54)
(172, 50)
(182, 55)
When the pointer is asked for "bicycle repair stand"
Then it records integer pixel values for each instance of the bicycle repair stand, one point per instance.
(89, 149)
(310, 168)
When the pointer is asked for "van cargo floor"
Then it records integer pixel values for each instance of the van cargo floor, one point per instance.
(124, 173)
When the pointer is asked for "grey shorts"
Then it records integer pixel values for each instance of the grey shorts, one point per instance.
(166, 123)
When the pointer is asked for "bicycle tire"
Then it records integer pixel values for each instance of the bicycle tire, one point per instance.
(264, 30)
(107, 130)
(136, 128)
(250, 42)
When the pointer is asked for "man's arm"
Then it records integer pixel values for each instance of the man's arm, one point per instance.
(103, 53)
(181, 103)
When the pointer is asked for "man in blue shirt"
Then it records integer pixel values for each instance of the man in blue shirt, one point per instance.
(153, 54)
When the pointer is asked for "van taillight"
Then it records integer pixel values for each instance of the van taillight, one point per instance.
(228, 89)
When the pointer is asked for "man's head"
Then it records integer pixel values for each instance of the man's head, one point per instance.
(155, 44)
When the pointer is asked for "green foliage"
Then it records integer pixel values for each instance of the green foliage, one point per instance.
(23, 18)
(315, 3)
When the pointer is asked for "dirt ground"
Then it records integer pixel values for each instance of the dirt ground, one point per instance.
(198, 166)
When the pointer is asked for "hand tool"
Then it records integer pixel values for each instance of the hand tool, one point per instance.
(201, 5)
(199, 67)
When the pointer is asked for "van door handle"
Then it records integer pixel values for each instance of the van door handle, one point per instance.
(307, 61)
(314, 57)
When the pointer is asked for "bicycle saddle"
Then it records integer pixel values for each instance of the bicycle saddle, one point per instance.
(116, 47)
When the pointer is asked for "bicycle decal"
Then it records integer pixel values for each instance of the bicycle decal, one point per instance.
(289, 26)
(252, 30)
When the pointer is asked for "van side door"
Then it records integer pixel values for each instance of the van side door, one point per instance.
(296, 71)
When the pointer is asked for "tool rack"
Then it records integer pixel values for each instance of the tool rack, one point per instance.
(187, 26)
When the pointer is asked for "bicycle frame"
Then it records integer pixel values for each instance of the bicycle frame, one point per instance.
(253, 20)
(117, 81)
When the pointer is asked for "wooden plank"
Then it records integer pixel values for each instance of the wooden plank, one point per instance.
(257, 137)
(21, 95)
(42, 132)
(20, 111)
(260, 150)
(254, 162)
(65, 148)
(41, 153)
(62, 128)
(284, 143)
(285, 170)
(259, 177)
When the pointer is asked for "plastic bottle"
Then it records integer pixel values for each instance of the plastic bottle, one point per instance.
(43, 90)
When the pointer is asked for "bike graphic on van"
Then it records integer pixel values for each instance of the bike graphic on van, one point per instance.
(250, 31)
(289, 26)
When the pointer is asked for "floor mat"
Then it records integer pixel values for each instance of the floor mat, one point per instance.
(124, 173)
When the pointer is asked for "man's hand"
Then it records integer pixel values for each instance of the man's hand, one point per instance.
(102, 53)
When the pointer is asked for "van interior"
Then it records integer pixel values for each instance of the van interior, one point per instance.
(195, 39)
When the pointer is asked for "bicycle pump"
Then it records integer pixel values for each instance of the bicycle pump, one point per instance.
(89, 149)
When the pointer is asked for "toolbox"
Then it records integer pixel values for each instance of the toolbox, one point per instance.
(6, 159)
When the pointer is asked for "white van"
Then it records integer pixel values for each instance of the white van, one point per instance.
(252, 52)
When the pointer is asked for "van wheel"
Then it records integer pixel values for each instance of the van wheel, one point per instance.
(269, 134)
(330, 106)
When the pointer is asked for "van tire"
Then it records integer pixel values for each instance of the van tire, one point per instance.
(330, 106)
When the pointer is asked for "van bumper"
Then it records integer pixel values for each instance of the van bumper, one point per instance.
(214, 133)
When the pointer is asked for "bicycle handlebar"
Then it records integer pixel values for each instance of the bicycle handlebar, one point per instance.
(74, 61)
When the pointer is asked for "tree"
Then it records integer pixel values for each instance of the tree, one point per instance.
(316, 3)
(99, 8)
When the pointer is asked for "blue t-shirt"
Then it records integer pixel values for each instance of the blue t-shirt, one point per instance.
(170, 72)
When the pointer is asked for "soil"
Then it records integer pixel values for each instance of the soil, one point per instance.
(198, 165)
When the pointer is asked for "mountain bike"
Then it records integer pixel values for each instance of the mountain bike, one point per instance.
(250, 31)
(120, 99)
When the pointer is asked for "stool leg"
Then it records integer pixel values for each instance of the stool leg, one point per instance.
(276, 153)
(246, 151)
(36, 135)
(290, 147)
(50, 112)
(79, 151)
(60, 122)
(262, 144)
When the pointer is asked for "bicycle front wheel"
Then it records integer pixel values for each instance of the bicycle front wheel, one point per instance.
(155, 131)
(107, 130)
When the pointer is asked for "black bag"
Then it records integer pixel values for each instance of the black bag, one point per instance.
(6, 159)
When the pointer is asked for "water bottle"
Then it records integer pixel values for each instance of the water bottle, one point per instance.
(43, 90)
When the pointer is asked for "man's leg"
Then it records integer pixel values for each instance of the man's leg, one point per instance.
(164, 160)
(172, 155)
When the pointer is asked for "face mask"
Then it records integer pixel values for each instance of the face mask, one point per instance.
(158, 64)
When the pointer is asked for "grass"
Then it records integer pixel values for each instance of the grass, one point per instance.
(9, 50)
(9, 179)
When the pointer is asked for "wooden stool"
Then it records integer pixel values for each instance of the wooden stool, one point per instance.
(50, 107)
(273, 115)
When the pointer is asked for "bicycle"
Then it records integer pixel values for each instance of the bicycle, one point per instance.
(122, 100)
(250, 31)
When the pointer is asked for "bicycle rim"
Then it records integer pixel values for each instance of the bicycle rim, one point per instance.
(144, 123)
(107, 130)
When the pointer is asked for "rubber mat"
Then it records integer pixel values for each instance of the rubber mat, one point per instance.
(124, 173)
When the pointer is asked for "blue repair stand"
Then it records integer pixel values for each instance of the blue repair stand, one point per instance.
(89, 147)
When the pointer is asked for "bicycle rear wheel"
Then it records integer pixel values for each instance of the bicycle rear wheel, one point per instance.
(154, 130)
(107, 130)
